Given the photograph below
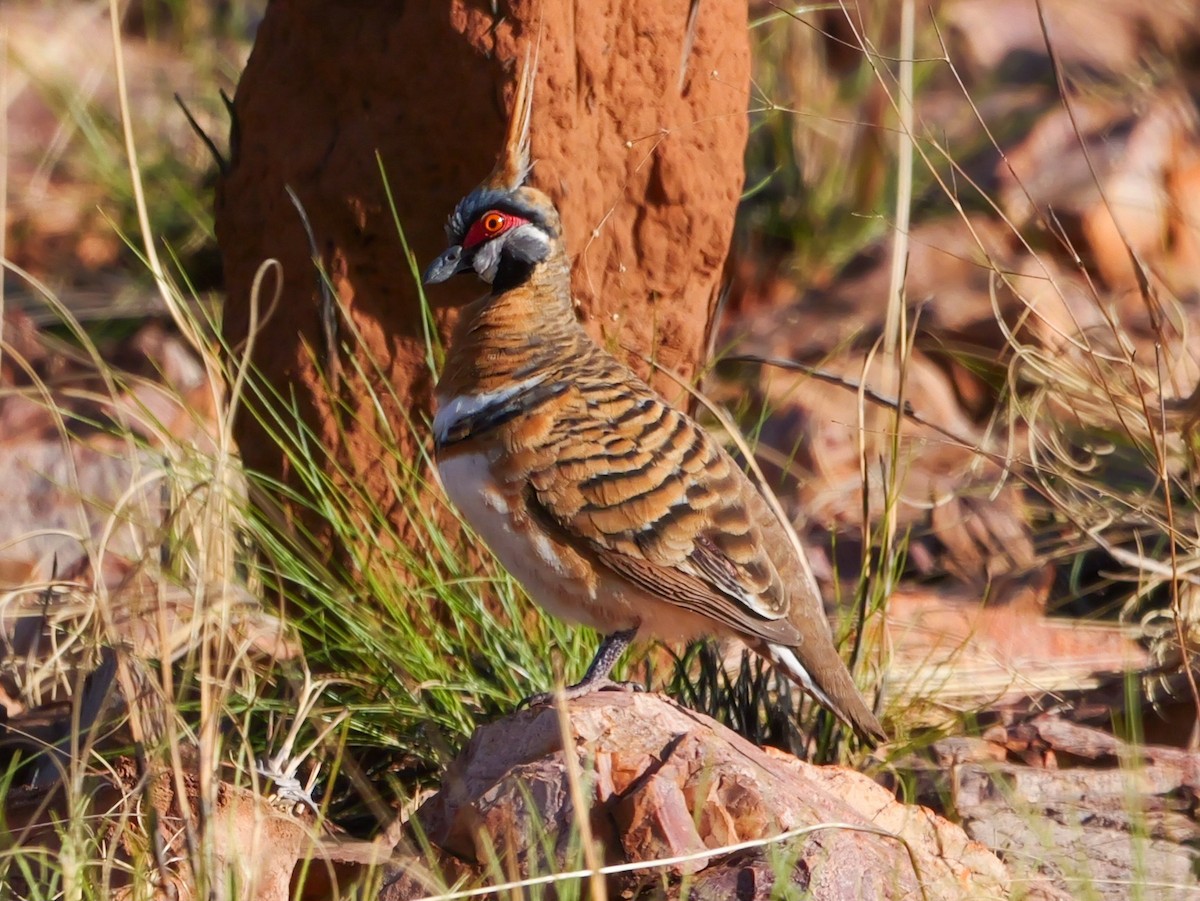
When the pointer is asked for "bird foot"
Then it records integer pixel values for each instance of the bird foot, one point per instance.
(578, 690)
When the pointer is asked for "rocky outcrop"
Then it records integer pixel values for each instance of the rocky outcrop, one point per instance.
(1077, 809)
(661, 782)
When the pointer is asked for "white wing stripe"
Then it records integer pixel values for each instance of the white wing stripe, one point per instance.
(784, 656)
(464, 406)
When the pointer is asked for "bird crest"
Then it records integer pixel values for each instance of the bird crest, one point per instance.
(513, 163)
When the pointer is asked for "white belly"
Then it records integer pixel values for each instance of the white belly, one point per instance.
(607, 603)
(527, 554)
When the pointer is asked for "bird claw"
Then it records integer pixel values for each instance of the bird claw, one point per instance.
(579, 690)
(288, 788)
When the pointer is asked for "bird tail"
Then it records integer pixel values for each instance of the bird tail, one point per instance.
(832, 686)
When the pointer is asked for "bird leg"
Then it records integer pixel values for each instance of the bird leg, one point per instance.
(607, 655)
(596, 677)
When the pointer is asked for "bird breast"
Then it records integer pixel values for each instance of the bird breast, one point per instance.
(552, 575)
(555, 576)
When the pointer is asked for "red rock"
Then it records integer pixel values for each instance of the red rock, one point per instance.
(655, 821)
(701, 787)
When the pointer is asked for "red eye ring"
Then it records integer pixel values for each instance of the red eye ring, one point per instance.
(490, 225)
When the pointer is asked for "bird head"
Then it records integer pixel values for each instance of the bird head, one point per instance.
(504, 228)
(500, 234)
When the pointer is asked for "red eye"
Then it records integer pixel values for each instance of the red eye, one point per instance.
(489, 225)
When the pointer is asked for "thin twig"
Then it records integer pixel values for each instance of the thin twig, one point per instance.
(706, 854)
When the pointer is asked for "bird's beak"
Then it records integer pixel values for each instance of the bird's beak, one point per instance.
(451, 262)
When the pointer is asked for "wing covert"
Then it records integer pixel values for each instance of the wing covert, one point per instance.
(647, 491)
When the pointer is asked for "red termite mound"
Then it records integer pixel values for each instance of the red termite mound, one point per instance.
(639, 125)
